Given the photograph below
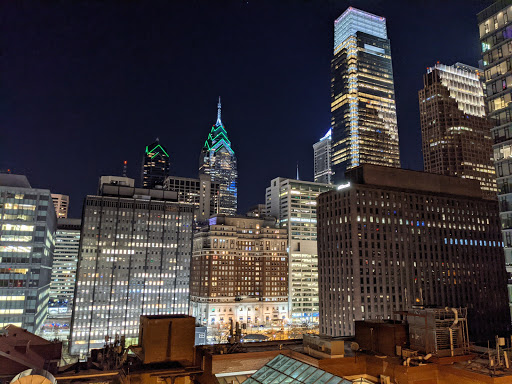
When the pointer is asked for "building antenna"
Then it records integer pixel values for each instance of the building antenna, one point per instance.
(219, 122)
(298, 170)
(125, 168)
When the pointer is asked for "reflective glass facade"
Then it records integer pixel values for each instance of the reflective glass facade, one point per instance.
(293, 203)
(219, 161)
(455, 131)
(363, 111)
(134, 260)
(495, 28)
(27, 230)
(284, 369)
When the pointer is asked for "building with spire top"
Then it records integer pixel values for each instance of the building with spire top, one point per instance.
(219, 161)
(155, 167)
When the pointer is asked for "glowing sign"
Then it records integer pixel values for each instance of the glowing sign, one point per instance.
(344, 186)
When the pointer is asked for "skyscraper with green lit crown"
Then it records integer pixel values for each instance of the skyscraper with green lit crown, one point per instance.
(219, 161)
(155, 167)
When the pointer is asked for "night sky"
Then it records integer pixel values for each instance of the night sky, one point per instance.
(87, 84)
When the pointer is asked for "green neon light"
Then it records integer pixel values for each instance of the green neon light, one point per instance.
(148, 152)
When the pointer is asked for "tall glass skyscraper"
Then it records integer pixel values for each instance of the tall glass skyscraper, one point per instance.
(155, 167)
(495, 27)
(363, 111)
(219, 161)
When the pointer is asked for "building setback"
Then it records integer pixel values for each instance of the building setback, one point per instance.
(363, 111)
(65, 259)
(239, 271)
(218, 160)
(61, 204)
(134, 260)
(390, 238)
(203, 193)
(322, 159)
(494, 24)
(455, 131)
(293, 203)
(27, 223)
(155, 165)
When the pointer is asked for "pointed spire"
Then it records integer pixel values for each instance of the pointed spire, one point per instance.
(298, 170)
(219, 122)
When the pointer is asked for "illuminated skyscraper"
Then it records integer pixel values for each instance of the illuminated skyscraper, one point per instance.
(219, 161)
(455, 131)
(155, 167)
(293, 203)
(322, 158)
(495, 27)
(134, 260)
(363, 112)
(65, 258)
(27, 233)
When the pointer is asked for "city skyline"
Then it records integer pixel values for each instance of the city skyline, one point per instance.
(181, 120)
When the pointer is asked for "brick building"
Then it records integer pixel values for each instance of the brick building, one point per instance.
(239, 271)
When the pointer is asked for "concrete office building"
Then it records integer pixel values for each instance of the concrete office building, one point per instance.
(363, 111)
(155, 165)
(65, 259)
(61, 204)
(389, 239)
(27, 222)
(322, 159)
(239, 272)
(134, 260)
(201, 192)
(455, 131)
(218, 161)
(494, 24)
(293, 203)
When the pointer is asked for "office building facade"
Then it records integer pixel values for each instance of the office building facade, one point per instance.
(322, 159)
(134, 260)
(363, 111)
(455, 131)
(203, 193)
(27, 222)
(65, 260)
(239, 272)
(155, 165)
(218, 160)
(494, 24)
(293, 203)
(61, 204)
(389, 239)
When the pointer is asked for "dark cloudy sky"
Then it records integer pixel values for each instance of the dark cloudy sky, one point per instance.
(87, 84)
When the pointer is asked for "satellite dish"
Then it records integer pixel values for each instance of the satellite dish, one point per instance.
(34, 376)
(354, 346)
